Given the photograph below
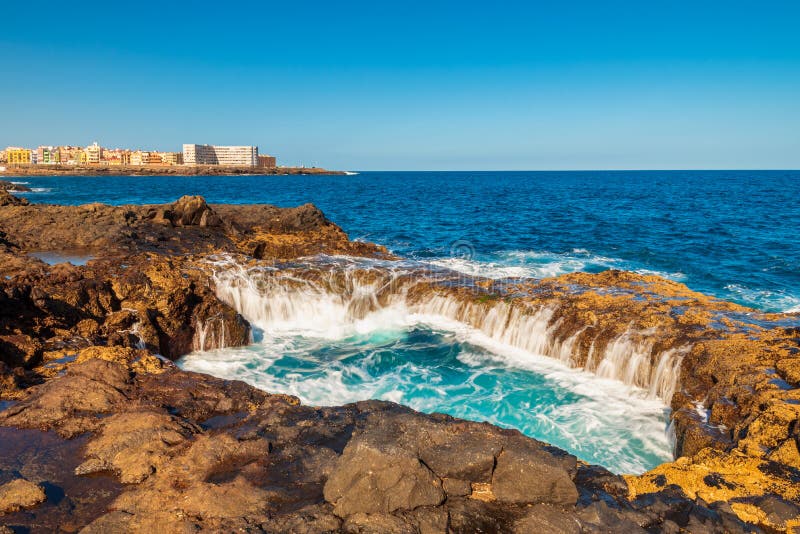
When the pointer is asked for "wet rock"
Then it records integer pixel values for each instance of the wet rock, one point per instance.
(779, 512)
(19, 494)
(201, 453)
(10, 381)
(121, 355)
(600, 517)
(11, 186)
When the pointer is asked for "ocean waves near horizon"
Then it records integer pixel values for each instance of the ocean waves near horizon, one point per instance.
(731, 234)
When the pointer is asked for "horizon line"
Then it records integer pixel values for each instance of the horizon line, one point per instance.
(714, 169)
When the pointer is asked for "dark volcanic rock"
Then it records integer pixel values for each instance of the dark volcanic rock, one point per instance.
(528, 474)
(369, 478)
(11, 186)
(7, 199)
(188, 211)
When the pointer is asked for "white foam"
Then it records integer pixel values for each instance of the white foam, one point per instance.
(536, 264)
(766, 299)
(341, 306)
(35, 190)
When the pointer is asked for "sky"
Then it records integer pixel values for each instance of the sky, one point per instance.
(415, 85)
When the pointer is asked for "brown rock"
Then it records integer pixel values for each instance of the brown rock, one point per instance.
(361, 523)
(11, 186)
(531, 476)
(19, 494)
(193, 211)
(133, 445)
(546, 518)
(70, 403)
(20, 350)
(456, 488)
(789, 369)
(7, 199)
(373, 479)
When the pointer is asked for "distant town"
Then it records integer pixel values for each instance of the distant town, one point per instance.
(96, 155)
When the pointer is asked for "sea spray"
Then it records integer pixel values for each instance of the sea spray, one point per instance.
(339, 300)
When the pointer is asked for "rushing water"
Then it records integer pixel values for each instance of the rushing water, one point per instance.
(347, 334)
(730, 234)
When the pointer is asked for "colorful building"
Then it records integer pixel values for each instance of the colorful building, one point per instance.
(116, 156)
(70, 155)
(47, 155)
(18, 156)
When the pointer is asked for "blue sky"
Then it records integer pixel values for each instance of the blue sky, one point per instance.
(415, 85)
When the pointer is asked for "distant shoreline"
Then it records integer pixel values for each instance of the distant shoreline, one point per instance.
(148, 170)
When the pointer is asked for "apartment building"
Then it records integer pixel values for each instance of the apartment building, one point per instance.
(171, 158)
(47, 155)
(139, 158)
(94, 153)
(238, 156)
(16, 155)
(71, 155)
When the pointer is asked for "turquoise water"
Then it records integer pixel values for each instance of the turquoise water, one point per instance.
(435, 369)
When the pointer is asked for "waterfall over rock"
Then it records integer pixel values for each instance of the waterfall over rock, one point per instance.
(334, 300)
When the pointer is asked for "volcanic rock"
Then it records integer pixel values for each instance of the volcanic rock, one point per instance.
(526, 476)
(19, 494)
(7, 199)
(11, 186)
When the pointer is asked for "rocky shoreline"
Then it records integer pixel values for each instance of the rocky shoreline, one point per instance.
(155, 170)
(100, 431)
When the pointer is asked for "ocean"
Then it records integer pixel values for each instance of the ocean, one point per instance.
(731, 234)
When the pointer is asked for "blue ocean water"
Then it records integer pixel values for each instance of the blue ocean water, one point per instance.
(732, 234)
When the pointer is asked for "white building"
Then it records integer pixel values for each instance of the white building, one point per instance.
(94, 153)
(239, 156)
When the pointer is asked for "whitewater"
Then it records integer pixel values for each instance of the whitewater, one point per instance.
(335, 340)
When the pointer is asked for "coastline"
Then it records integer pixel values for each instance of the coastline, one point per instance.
(153, 170)
(81, 377)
